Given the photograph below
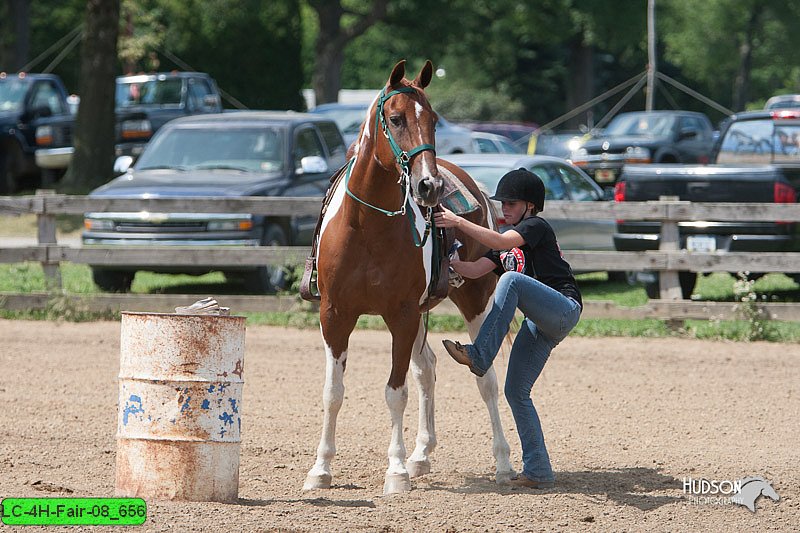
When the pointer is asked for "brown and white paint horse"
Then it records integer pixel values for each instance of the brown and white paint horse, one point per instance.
(368, 263)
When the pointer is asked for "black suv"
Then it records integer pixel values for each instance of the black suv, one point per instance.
(247, 153)
(645, 137)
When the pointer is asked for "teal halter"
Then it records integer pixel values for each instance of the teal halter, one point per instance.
(403, 159)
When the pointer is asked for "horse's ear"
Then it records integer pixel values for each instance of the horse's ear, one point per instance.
(398, 72)
(423, 79)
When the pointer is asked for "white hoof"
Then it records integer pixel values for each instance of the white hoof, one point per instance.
(418, 468)
(317, 481)
(504, 478)
(396, 484)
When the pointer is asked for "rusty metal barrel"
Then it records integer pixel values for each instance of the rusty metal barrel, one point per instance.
(179, 421)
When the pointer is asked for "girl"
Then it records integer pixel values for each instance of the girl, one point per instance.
(535, 278)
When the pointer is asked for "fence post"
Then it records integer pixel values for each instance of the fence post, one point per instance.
(46, 223)
(669, 282)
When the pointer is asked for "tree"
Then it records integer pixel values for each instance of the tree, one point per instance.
(92, 163)
(338, 26)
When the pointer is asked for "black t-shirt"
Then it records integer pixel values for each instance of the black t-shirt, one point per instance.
(540, 258)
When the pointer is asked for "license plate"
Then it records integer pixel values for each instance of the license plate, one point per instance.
(604, 175)
(701, 243)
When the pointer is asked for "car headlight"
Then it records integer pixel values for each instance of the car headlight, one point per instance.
(44, 135)
(136, 129)
(637, 154)
(230, 225)
(95, 224)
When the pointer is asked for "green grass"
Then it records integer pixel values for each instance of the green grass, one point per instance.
(76, 279)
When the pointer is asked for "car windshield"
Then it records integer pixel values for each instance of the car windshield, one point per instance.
(761, 142)
(149, 92)
(12, 94)
(244, 149)
(654, 125)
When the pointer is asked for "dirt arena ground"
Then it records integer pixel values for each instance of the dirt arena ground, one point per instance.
(626, 420)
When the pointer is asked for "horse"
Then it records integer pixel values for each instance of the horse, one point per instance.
(374, 257)
(751, 489)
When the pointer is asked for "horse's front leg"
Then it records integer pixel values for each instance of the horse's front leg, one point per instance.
(335, 334)
(423, 368)
(403, 326)
(487, 385)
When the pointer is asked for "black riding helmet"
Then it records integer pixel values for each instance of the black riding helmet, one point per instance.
(521, 184)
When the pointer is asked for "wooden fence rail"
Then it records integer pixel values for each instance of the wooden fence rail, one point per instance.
(668, 260)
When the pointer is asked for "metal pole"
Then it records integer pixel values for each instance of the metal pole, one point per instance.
(651, 53)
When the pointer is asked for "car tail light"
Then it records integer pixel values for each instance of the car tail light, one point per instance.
(136, 129)
(785, 114)
(784, 194)
(619, 195)
(619, 191)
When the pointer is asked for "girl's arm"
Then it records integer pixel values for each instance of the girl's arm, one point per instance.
(486, 236)
(473, 269)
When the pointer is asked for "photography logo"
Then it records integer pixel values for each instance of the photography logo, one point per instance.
(744, 491)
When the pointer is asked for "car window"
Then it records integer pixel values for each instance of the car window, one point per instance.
(695, 124)
(243, 149)
(553, 188)
(306, 144)
(333, 140)
(485, 146)
(45, 95)
(580, 190)
(753, 141)
(198, 90)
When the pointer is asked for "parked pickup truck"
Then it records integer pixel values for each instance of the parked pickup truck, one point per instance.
(143, 103)
(34, 113)
(758, 160)
(645, 137)
(248, 153)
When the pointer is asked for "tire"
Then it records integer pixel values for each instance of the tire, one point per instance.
(618, 276)
(271, 278)
(113, 280)
(685, 278)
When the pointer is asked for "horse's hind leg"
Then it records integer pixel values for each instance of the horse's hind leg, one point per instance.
(319, 477)
(487, 385)
(423, 368)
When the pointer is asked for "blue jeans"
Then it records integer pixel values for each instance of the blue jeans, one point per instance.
(549, 317)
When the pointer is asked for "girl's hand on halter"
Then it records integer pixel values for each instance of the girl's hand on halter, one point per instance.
(446, 219)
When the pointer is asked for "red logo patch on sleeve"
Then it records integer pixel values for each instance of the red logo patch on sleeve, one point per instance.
(513, 260)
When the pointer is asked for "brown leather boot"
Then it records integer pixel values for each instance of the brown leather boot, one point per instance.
(525, 482)
(461, 356)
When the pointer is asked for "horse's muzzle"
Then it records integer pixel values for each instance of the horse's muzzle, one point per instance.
(428, 191)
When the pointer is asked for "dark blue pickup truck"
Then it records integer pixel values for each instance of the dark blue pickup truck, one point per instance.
(34, 113)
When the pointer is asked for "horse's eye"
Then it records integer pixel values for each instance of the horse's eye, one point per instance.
(395, 120)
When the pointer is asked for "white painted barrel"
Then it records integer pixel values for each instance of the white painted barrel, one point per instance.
(179, 421)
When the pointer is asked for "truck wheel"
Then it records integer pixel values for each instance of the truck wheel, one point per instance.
(271, 278)
(113, 280)
(10, 167)
(686, 279)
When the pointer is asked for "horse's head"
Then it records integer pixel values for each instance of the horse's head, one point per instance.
(404, 126)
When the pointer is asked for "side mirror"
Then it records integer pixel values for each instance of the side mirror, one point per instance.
(122, 164)
(312, 164)
(211, 102)
(687, 133)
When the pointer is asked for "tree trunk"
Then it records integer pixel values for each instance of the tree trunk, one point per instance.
(329, 51)
(92, 164)
(331, 42)
(741, 85)
(19, 47)
(580, 82)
